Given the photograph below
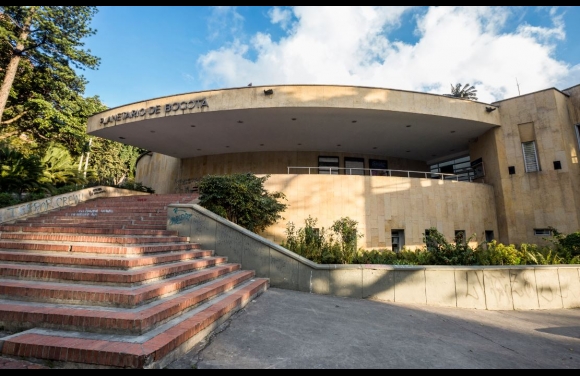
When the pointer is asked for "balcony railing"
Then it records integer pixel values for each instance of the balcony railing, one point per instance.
(375, 172)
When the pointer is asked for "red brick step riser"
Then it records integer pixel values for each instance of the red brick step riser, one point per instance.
(107, 250)
(85, 230)
(120, 278)
(20, 317)
(93, 239)
(124, 354)
(107, 295)
(122, 263)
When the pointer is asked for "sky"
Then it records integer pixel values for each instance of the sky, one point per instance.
(151, 52)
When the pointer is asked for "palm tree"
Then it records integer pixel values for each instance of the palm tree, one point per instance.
(467, 92)
(20, 174)
(59, 167)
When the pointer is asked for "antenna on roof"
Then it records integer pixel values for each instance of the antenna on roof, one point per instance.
(518, 86)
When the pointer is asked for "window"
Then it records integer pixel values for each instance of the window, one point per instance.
(542, 231)
(477, 167)
(397, 240)
(462, 168)
(429, 241)
(460, 236)
(354, 166)
(378, 167)
(488, 235)
(578, 134)
(530, 156)
(326, 164)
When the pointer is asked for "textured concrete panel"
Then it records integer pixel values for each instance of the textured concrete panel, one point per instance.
(524, 292)
(346, 282)
(379, 284)
(548, 287)
(203, 230)
(469, 289)
(498, 292)
(229, 243)
(283, 271)
(570, 287)
(440, 288)
(180, 220)
(315, 281)
(410, 286)
(256, 257)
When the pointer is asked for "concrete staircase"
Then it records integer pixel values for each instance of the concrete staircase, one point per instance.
(104, 284)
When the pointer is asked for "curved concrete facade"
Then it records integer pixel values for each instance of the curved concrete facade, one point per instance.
(269, 129)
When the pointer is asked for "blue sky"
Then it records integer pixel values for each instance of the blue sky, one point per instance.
(149, 52)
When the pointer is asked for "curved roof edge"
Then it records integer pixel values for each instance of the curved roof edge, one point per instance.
(288, 85)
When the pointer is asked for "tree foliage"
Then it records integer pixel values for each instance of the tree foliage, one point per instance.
(45, 117)
(19, 173)
(242, 199)
(113, 162)
(41, 46)
(60, 168)
(467, 91)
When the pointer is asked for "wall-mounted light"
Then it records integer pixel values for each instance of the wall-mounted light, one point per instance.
(490, 109)
(268, 92)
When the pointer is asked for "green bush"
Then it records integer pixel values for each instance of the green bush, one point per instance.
(6, 199)
(445, 253)
(135, 186)
(320, 246)
(337, 248)
(242, 199)
(569, 244)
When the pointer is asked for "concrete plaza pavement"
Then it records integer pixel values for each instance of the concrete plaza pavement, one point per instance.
(284, 329)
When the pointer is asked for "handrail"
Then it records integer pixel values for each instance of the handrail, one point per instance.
(386, 172)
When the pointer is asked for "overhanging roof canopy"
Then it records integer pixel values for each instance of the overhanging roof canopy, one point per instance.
(349, 119)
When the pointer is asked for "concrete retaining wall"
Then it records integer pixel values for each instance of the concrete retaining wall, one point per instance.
(32, 208)
(480, 287)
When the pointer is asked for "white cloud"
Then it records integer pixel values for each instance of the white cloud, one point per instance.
(224, 18)
(280, 16)
(351, 45)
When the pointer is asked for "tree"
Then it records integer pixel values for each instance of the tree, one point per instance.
(242, 199)
(19, 173)
(41, 42)
(113, 162)
(467, 92)
(59, 167)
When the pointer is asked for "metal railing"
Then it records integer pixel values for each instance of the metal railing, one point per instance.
(376, 172)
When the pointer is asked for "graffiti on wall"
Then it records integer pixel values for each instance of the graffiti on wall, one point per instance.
(179, 216)
(40, 206)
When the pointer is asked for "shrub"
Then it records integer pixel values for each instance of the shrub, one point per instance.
(6, 199)
(346, 230)
(568, 245)
(445, 253)
(242, 199)
(498, 254)
(135, 186)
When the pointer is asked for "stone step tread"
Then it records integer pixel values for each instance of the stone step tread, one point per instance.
(129, 354)
(118, 239)
(133, 320)
(86, 230)
(108, 295)
(87, 260)
(9, 242)
(99, 249)
(117, 217)
(115, 276)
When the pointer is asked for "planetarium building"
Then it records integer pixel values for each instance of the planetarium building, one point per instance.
(397, 162)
